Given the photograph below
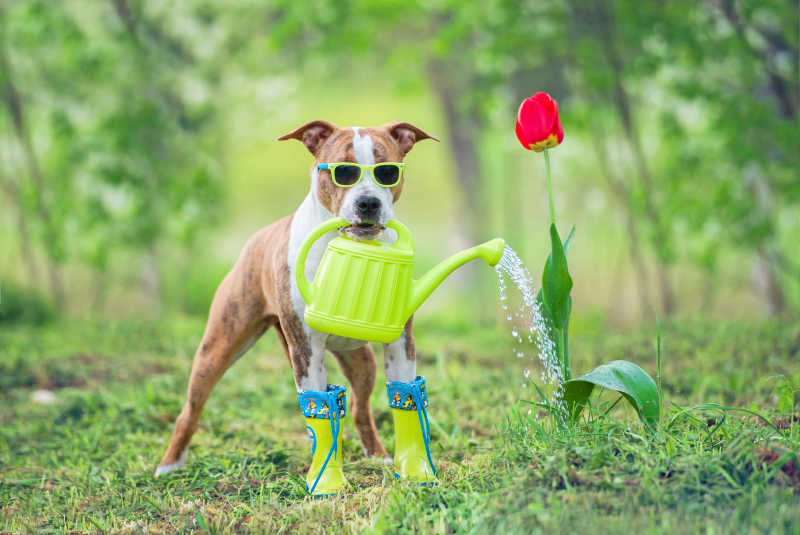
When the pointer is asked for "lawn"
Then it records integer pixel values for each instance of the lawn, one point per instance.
(84, 462)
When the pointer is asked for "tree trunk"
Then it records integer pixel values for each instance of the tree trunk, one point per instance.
(622, 196)
(624, 109)
(24, 237)
(151, 279)
(464, 127)
(15, 109)
(768, 285)
(765, 274)
(786, 93)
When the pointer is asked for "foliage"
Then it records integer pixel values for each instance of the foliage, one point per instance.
(115, 119)
(125, 166)
(21, 305)
(624, 377)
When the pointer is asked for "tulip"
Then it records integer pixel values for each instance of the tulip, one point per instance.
(538, 129)
(538, 125)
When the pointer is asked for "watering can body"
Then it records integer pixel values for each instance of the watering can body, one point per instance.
(365, 290)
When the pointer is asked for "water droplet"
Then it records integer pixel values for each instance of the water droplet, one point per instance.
(529, 315)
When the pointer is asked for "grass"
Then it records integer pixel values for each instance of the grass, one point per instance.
(84, 463)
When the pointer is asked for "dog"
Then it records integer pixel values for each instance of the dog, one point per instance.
(260, 291)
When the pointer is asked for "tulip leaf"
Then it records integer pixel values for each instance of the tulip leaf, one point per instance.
(569, 239)
(556, 282)
(566, 250)
(560, 337)
(622, 376)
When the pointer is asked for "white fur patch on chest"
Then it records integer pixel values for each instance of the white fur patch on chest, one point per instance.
(308, 216)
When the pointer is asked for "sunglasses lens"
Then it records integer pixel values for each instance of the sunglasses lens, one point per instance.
(346, 175)
(387, 175)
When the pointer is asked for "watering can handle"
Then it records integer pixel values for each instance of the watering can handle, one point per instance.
(300, 264)
(404, 239)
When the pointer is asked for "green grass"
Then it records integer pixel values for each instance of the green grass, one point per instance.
(85, 462)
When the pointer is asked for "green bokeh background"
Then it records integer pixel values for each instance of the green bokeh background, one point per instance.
(154, 130)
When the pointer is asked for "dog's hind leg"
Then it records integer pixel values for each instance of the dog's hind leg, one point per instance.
(233, 326)
(359, 367)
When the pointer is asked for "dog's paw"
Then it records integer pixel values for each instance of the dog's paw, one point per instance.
(161, 470)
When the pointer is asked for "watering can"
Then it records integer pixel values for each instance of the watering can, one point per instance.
(364, 289)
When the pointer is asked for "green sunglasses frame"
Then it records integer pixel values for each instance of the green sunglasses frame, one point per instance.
(332, 168)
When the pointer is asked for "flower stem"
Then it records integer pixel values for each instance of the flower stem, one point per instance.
(549, 187)
(567, 367)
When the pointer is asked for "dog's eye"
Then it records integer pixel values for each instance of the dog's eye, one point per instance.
(346, 175)
(387, 175)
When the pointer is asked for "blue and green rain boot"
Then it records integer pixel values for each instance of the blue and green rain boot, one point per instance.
(412, 432)
(324, 412)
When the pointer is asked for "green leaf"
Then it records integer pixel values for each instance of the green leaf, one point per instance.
(785, 394)
(539, 299)
(569, 239)
(556, 282)
(560, 336)
(622, 376)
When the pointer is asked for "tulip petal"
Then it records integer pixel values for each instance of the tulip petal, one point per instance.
(521, 135)
(558, 130)
(534, 121)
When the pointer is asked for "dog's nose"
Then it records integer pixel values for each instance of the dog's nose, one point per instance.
(367, 208)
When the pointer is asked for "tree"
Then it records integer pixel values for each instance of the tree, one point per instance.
(125, 166)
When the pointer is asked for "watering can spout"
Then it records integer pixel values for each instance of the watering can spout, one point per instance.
(491, 251)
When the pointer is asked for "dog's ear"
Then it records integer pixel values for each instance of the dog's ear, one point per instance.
(312, 134)
(406, 134)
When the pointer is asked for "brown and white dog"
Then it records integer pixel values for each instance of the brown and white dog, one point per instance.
(260, 291)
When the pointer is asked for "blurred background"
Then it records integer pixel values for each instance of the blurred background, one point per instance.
(138, 145)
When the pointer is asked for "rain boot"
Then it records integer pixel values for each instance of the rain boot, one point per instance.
(323, 412)
(412, 432)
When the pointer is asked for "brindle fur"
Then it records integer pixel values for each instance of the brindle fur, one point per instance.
(256, 295)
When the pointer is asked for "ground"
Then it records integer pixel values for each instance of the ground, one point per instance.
(83, 461)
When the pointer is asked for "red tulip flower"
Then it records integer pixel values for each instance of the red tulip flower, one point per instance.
(538, 125)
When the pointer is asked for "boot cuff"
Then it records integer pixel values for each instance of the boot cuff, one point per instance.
(318, 404)
(403, 395)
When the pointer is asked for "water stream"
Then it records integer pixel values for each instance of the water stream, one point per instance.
(531, 333)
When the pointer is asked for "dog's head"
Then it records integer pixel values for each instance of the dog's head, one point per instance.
(367, 206)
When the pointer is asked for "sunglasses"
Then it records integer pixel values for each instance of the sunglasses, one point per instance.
(347, 174)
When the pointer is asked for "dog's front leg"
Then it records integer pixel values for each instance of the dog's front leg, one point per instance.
(322, 407)
(400, 358)
(408, 400)
(308, 361)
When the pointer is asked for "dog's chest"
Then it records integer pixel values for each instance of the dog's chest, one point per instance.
(307, 217)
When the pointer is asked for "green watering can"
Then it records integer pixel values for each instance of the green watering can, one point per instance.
(364, 289)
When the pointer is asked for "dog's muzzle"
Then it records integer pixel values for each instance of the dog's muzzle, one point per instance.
(363, 231)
